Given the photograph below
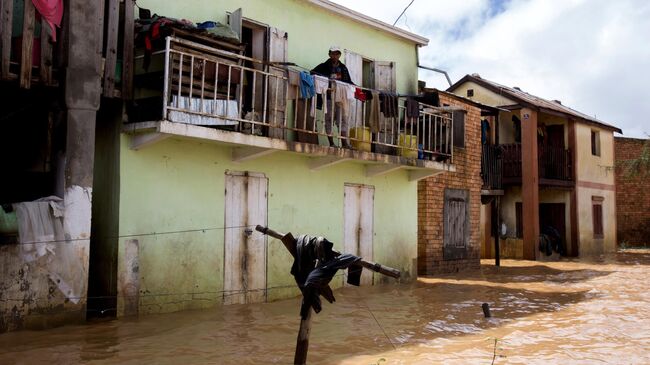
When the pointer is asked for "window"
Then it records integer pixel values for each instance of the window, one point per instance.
(597, 215)
(595, 143)
(459, 128)
(519, 217)
(456, 227)
(470, 93)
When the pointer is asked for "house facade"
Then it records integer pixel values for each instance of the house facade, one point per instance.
(189, 192)
(175, 141)
(555, 169)
(449, 204)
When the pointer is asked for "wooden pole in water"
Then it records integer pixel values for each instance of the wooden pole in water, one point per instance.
(302, 343)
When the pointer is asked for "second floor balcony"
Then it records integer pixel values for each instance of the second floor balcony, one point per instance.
(555, 165)
(260, 108)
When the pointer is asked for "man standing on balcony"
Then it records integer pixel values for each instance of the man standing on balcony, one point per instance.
(334, 69)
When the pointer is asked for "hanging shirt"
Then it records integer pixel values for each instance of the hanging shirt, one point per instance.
(343, 94)
(321, 85)
(306, 85)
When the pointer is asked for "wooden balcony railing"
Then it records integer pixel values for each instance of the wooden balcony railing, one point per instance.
(491, 167)
(554, 163)
(31, 58)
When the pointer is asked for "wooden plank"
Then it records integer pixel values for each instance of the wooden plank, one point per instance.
(111, 47)
(127, 56)
(27, 45)
(5, 31)
(46, 53)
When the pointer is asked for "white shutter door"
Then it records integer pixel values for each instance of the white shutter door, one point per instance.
(245, 256)
(358, 225)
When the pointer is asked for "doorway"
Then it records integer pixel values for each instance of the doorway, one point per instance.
(553, 215)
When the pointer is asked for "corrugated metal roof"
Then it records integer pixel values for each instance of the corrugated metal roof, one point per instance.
(527, 98)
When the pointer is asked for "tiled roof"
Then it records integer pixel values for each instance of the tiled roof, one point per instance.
(525, 98)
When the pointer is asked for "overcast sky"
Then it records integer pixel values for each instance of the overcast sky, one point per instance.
(593, 55)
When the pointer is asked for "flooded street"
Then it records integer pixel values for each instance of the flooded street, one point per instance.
(578, 312)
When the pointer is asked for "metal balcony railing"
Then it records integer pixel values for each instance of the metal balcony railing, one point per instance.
(212, 87)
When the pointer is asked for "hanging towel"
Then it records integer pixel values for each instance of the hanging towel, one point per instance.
(373, 119)
(343, 94)
(321, 85)
(360, 95)
(52, 12)
(306, 85)
(388, 104)
(412, 108)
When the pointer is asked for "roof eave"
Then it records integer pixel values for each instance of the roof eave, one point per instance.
(372, 22)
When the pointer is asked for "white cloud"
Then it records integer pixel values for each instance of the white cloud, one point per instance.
(594, 55)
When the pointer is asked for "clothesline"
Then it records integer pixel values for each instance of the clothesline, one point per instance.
(293, 64)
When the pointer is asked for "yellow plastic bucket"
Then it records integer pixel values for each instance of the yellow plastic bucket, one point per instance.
(360, 138)
(408, 145)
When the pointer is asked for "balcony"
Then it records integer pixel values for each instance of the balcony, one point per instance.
(255, 107)
(554, 165)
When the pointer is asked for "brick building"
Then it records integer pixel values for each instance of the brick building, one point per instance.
(449, 204)
(632, 196)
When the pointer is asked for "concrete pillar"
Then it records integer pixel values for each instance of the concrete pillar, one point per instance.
(529, 182)
(82, 98)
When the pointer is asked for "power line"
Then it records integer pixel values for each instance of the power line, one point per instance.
(403, 11)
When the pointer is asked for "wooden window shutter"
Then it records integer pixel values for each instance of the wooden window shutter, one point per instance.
(459, 128)
(456, 224)
(597, 214)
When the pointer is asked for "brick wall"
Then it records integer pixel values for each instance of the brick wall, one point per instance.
(431, 199)
(632, 196)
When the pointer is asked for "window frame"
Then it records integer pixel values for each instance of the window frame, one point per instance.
(597, 215)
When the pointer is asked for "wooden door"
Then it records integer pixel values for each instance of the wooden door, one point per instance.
(385, 80)
(358, 229)
(245, 256)
(277, 85)
(456, 224)
(354, 63)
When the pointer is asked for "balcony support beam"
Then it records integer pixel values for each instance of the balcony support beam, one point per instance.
(323, 162)
(378, 170)
(529, 182)
(241, 154)
(417, 175)
(143, 140)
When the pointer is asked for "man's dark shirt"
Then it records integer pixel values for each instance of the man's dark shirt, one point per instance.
(339, 72)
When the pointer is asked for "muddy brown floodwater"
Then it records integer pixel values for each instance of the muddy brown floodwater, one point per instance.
(577, 312)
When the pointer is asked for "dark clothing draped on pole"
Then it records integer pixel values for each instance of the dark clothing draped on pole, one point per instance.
(314, 267)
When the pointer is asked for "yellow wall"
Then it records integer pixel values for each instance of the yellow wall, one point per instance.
(599, 170)
(482, 95)
(588, 244)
